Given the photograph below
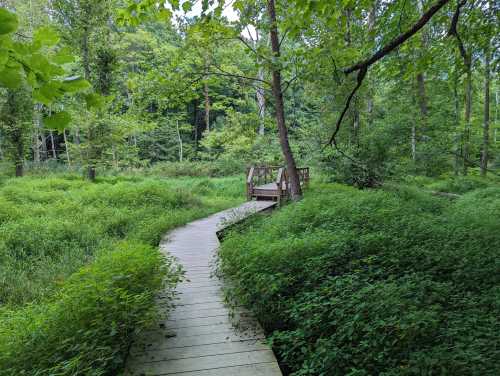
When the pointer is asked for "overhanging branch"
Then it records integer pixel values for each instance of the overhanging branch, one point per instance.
(363, 66)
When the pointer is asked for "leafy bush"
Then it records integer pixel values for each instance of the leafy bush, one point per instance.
(77, 267)
(85, 328)
(387, 282)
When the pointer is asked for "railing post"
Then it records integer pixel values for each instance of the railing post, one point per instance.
(250, 183)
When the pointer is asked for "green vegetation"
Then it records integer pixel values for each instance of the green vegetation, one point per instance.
(392, 281)
(80, 267)
(162, 105)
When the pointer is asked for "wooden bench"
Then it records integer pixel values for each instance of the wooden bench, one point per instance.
(272, 182)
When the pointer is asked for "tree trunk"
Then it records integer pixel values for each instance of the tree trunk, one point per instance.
(36, 134)
(372, 16)
(54, 153)
(180, 141)
(295, 188)
(66, 147)
(456, 165)
(414, 142)
(261, 101)
(467, 114)
(17, 138)
(207, 107)
(486, 122)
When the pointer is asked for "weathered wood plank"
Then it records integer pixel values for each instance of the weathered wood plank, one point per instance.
(157, 342)
(176, 366)
(263, 369)
(177, 353)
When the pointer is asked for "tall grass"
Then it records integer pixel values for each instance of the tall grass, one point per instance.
(79, 265)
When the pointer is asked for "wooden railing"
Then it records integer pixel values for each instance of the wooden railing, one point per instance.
(272, 181)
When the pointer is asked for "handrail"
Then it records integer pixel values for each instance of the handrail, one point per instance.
(261, 175)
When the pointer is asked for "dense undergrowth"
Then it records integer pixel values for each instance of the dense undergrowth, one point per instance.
(379, 282)
(79, 265)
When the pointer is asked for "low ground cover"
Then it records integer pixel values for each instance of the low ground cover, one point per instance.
(391, 281)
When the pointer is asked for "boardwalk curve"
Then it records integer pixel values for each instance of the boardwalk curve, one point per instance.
(201, 336)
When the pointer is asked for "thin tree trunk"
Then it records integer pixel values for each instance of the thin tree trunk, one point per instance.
(180, 141)
(295, 188)
(414, 142)
(19, 151)
(261, 101)
(54, 153)
(207, 106)
(371, 24)
(457, 126)
(68, 159)
(486, 122)
(467, 114)
(421, 126)
(36, 135)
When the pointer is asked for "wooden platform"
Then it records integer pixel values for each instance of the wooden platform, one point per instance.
(272, 182)
(201, 337)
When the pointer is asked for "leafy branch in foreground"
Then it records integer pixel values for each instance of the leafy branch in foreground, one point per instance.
(38, 64)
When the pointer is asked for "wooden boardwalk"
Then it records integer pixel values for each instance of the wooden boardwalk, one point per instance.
(201, 336)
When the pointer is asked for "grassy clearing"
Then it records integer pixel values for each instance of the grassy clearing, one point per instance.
(388, 282)
(79, 264)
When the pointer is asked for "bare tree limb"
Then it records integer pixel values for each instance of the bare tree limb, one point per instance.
(396, 42)
(363, 66)
(359, 78)
(222, 72)
(453, 31)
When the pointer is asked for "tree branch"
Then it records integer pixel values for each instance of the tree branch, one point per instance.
(396, 42)
(453, 31)
(360, 78)
(362, 66)
(229, 74)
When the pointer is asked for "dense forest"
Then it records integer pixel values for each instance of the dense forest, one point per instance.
(123, 119)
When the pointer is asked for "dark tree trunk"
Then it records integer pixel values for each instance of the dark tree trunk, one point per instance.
(486, 122)
(19, 151)
(295, 189)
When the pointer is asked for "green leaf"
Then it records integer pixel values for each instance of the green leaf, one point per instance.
(58, 121)
(63, 56)
(46, 36)
(47, 93)
(8, 22)
(75, 84)
(165, 15)
(11, 78)
(187, 6)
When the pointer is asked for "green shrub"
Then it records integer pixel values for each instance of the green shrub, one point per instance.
(86, 327)
(388, 282)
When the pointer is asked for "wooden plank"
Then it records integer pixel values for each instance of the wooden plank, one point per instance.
(202, 350)
(172, 367)
(262, 369)
(156, 342)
